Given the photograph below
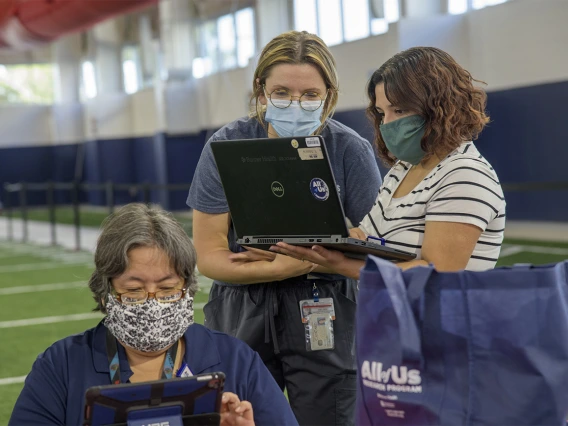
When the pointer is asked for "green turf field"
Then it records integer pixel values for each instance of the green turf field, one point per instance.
(44, 297)
(89, 216)
(37, 283)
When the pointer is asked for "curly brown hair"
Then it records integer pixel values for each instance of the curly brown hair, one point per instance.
(429, 82)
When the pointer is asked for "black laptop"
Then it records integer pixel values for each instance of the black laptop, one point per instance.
(283, 189)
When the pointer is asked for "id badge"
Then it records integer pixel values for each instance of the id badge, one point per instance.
(320, 332)
(322, 306)
(318, 317)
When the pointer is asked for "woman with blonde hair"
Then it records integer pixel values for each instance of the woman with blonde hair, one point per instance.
(256, 295)
(441, 199)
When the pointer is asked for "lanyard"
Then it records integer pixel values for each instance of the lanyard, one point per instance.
(114, 363)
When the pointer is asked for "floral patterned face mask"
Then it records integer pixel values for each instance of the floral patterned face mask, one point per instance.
(150, 326)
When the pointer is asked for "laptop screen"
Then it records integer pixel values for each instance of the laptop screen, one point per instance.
(280, 187)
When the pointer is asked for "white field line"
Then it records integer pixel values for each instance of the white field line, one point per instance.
(204, 288)
(57, 253)
(509, 250)
(49, 320)
(546, 250)
(35, 266)
(42, 287)
(12, 380)
(9, 255)
(41, 251)
(31, 250)
(64, 286)
(61, 318)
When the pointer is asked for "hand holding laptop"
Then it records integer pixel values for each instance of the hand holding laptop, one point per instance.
(279, 263)
(252, 255)
(330, 259)
(357, 233)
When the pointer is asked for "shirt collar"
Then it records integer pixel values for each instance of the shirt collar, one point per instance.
(100, 358)
(201, 352)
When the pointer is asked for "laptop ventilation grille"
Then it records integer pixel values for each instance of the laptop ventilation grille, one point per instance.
(269, 240)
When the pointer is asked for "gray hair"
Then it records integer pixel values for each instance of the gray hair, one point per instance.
(139, 225)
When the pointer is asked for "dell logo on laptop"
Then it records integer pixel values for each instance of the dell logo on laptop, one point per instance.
(277, 189)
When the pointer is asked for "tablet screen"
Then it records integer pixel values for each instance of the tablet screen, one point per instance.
(158, 401)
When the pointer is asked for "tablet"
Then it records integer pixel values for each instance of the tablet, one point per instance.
(185, 401)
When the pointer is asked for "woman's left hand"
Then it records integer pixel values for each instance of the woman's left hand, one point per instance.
(252, 255)
(235, 412)
(331, 259)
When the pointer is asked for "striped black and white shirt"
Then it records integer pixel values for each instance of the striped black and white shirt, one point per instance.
(461, 188)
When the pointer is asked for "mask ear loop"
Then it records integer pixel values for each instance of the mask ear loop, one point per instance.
(263, 122)
(324, 111)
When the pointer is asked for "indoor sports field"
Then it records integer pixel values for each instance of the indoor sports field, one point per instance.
(44, 297)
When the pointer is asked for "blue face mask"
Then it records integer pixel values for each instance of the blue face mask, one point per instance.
(403, 136)
(294, 120)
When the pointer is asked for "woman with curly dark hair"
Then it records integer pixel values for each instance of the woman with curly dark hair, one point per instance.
(441, 199)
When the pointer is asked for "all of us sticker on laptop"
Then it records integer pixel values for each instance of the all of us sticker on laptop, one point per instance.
(319, 189)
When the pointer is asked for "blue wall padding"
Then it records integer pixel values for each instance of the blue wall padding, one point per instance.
(144, 162)
(526, 142)
(116, 161)
(26, 164)
(182, 155)
(117, 165)
(64, 160)
(160, 160)
(92, 172)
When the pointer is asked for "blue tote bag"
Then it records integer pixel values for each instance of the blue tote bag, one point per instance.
(462, 348)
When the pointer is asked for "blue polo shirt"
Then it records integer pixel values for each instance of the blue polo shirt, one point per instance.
(54, 391)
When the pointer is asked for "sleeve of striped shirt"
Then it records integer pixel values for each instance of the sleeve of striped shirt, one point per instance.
(367, 225)
(467, 191)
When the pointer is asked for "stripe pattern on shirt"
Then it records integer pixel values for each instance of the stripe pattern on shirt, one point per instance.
(463, 188)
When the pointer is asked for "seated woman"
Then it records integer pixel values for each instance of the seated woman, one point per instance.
(441, 199)
(144, 281)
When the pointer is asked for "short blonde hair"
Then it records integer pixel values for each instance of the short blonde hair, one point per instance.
(296, 48)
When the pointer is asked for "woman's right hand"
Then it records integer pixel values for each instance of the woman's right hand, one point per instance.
(252, 255)
(357, 233)
(277, 265)
(286, 266)
(235, 412)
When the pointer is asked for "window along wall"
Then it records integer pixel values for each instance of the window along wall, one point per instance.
(28, 83)
(339, 21)
(224, 43)
(456, 7)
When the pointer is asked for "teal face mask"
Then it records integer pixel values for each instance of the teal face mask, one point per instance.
(402, 138)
